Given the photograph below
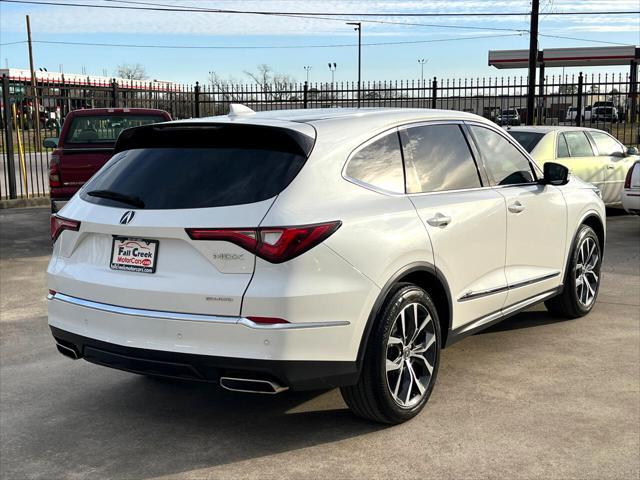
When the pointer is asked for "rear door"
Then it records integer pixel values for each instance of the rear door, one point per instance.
(574, 150)
(464, 217)
(611, 154)
(536, 217)
(133, 248)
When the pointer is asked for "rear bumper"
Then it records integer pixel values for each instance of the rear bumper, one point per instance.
(298, 375)
(631, 200)
(204, 347)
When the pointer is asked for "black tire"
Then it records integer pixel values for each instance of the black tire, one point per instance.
(568, 304)
(372, 397)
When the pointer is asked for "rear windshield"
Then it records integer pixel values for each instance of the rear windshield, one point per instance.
(177, 178)
(528, 140)
(105, 128)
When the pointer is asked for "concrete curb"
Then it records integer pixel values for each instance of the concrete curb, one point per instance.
(25, 202)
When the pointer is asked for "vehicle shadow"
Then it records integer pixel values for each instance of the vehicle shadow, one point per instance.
(140, 427)
(526, 319)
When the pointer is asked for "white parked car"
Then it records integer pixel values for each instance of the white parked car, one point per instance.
(591, 154)
(573, 111)
(631, 193)
(316, 248)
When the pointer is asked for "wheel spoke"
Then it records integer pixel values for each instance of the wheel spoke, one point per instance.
(410, 387)
(593, 274)
(404, 328)
(399, 381)
(421, 387)
(431, 339)
(395, 341)
(425, 361)
(394, 364)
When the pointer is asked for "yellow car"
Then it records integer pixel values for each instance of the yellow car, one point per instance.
(590, 154)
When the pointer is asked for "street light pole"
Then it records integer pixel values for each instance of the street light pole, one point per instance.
(307, 68)
(421, 62)
(332, 68)
(358, 28)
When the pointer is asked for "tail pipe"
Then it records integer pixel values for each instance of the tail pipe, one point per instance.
(67, 351)
(251, 385)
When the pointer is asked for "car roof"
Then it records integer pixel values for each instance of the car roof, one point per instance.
(356, 120)
(548, 128)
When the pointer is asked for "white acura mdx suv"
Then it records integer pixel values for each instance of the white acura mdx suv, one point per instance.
(308, 249)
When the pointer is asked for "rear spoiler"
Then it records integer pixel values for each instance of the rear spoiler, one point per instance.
(215, 135)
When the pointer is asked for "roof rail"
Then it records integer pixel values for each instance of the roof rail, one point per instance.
(236, 109)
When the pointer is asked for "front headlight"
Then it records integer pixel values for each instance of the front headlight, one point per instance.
(597, 192)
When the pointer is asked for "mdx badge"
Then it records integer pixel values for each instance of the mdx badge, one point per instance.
(127, 217)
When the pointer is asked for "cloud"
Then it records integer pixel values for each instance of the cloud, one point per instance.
(57, 20)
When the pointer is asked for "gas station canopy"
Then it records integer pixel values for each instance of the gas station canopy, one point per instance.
(567, 57)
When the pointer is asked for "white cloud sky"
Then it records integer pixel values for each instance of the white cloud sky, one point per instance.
(88, 20)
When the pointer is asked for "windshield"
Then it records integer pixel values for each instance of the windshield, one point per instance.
(528, 140)
(510, 112)
(105, 128)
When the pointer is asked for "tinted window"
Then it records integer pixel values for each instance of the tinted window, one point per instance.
(379, 164)
(172, 178)
(438, 158)
(563, 149)
(528, 140)
(578, 144)
(504, 161)
(104, 128)
(605, 144)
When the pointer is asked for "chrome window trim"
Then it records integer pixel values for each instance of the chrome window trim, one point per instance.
(492, 291)
(189, 317)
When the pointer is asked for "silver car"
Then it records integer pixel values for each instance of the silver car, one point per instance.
(590, 154)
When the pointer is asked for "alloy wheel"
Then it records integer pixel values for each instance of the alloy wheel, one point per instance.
(411, 355)
(586, 273)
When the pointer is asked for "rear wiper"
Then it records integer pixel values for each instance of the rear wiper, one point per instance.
(119, 197)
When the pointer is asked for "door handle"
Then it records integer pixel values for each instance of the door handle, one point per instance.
(610, 166)
(516, 207)
(439, 220)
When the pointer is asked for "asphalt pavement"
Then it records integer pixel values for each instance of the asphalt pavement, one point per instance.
(533, 397)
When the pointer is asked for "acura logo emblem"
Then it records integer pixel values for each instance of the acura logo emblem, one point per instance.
(127, 217)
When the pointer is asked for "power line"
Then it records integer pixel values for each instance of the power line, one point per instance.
(337, 19)
(583, 39)
(259, 47)
(315, 14)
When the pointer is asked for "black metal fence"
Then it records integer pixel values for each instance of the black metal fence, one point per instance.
(608, 102)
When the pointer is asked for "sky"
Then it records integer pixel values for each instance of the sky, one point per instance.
(448, 50)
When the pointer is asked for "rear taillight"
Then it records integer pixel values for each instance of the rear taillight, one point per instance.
(273, 244)
(54, 171)
(627, 180)
(60, 224)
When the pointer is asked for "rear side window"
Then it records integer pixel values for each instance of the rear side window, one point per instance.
(605, 144)
(506, 164)
(437, 158)
(578, 144)
(528, 140)
(104, 128)
(379, 164)
(563, 149)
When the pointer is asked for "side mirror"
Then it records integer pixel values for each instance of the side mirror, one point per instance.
(555, 174)
(51, 142)
(632, 151)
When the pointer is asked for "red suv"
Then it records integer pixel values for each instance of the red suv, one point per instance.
(86, 143)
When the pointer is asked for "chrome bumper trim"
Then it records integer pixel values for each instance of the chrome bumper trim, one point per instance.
(492, 291)
(190, 317)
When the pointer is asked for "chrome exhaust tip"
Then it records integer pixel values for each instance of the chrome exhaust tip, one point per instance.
(251, 385)
(67, 351)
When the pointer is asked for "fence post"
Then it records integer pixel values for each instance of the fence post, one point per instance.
(633, 94)
(114, 94)
(579, 106)
(305, 94)
(434, 93)
(8, 130)
(541, 100)
(196, 99)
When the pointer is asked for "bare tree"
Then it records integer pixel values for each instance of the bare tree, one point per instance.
(131, 71)
(275, 85)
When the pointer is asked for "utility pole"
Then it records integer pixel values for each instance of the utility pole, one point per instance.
(533, 58)
(358, 28)
(308, 68)
(34, 88)
(422, 61)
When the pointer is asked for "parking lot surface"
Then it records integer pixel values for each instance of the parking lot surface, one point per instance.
(533, 397)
